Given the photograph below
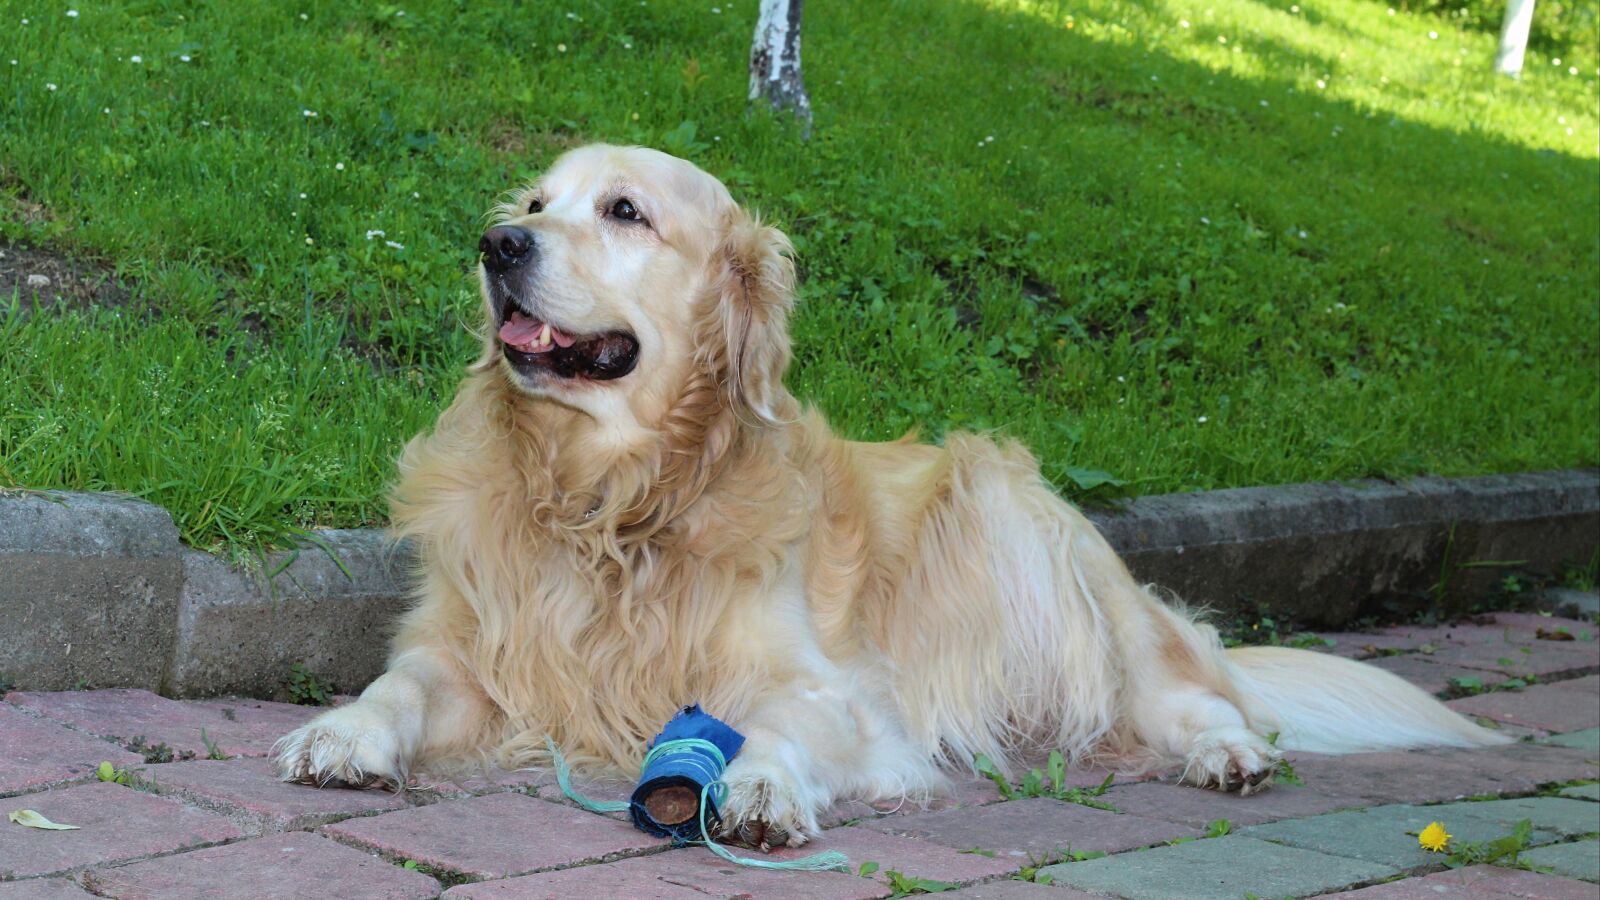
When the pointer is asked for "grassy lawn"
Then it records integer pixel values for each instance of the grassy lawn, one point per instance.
(1188, 244)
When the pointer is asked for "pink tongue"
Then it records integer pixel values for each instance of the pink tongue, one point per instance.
(520, 329)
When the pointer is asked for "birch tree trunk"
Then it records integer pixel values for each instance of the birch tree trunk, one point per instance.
(775, 60)
(1514, 37)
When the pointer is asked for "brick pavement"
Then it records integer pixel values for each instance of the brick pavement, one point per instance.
(194, 826)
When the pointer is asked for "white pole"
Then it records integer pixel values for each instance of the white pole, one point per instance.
(1514, 37)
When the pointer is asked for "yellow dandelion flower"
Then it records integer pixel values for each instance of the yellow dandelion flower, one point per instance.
(1434, 837)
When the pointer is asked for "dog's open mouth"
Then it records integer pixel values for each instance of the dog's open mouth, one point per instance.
(532, 344)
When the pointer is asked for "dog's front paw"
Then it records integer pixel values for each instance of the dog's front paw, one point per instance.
(352, 746)
(766, 808)
(1232, 759)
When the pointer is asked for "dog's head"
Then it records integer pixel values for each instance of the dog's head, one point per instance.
(624, 276)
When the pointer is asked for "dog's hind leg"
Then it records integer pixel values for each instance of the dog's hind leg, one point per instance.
(1180, 702)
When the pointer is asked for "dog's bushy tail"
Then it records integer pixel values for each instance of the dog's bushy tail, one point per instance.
(1328, 704)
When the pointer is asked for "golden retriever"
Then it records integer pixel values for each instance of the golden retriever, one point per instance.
(624, 512)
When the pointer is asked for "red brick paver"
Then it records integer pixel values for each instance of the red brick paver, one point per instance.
(248, 792)
(1197, 808)
(42, 889)
(924, 859)
(36, 753)
(1036, 827)
(496, 836)
(280, 867)
(114, 823)
(692, 868)
(1486, 882)
(1429, 776)
(1559, 706)
(238, 728)
(613, 880)
(1429, 674)
(1020, 890)
(1542, 659)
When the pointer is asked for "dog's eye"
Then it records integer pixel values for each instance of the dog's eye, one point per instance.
(536, 206)
(624, 210)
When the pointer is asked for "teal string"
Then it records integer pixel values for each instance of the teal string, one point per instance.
(564, 778)
(715, 789)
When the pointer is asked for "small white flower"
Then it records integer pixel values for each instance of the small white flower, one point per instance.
(414, 195)
(302, 195)
(1263, 103)
(989, 139)
(1222, 39)
(1302, 235)
(338, 167)
(49, 86)
(1121, 380)
(1433, 35)
(1572, 70)
(305, 18)
(309, 113)
(24, 21)
(1486, 262)
(1391, 10)
(205, 123)
(136, 58)
(107, 110)
(376, 232)
(1556, 61)
(1294, 9)
(627, 46)
(716, 10)
(308, 240)
(394, 245)
(1183, 23)
(72, 14)
(1321, 85)
(1204, 221)
(1202, 420)
(1561, 120)
(561, 47)
(1155, 78)
(716, 137)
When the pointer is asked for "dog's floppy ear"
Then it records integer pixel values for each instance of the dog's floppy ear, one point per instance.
(752, 282)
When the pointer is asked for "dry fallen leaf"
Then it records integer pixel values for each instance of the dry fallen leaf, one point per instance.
(1543, 635)
(30, 819)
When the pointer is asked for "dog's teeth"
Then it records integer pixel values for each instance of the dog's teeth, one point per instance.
(544, 334)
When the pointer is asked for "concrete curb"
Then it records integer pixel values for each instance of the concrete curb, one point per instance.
(1323, 553)
(97, 589)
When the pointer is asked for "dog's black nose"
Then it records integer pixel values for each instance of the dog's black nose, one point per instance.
(505, 247)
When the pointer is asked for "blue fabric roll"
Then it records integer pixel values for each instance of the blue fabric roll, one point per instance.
(688, 766)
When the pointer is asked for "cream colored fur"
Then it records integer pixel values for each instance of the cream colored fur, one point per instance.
(596, 555)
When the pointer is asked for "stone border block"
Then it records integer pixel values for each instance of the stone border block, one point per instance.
(1315, 551)
(237, 632)
(89, 590)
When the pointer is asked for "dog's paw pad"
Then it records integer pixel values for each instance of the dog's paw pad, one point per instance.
(1232, 759)
(341, 748)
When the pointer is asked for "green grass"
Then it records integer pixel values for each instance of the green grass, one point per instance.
(1332, 246)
